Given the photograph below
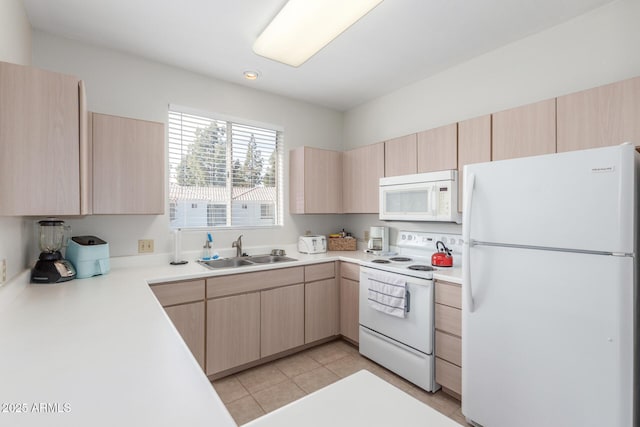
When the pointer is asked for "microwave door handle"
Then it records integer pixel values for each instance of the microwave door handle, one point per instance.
(432, 200)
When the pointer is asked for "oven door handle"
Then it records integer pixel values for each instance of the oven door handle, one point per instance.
(407, 303)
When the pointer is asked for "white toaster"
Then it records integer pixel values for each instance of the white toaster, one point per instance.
(312, 244)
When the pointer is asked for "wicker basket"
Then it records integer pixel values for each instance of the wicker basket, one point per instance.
(342, 244)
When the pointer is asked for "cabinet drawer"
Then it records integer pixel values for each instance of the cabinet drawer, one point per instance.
(449, 348)
(350, 271)
(179, 292)
(313, 272)
(449, 375)
(449, 319)
(255, 281)
(449, 294)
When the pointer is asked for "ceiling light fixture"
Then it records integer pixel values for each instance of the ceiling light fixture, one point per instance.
(303, 27)
(251, 75)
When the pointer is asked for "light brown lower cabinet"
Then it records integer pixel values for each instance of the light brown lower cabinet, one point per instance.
(320, 310)
(281, 319)
(448, 337)
(184, 304)
(233, 331)
(349, 303)
(189, 321)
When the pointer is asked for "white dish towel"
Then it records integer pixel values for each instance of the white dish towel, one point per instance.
(387, 293)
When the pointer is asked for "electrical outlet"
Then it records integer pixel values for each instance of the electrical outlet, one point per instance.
(3, 271)
(366, 235)
(145, 246)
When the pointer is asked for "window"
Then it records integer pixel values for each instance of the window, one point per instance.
(223, 173)
(266, 211)
(216, 215)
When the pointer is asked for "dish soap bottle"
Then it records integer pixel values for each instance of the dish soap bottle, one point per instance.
(206, 249)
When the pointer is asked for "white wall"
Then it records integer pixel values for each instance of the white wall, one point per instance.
(129, 86)
(15, 46)
(597, 48)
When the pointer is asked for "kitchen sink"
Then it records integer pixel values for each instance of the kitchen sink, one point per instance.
(269, 259)
(226, 262)
(245, 261)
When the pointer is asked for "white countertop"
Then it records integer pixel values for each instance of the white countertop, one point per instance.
(361, 399)
(102, 351)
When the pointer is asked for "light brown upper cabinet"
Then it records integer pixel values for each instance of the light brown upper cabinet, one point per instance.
(524, 131)
(438, 149)
(400, 156)
(362, 169)
(128, 165)
(474, 146)
(40, 141)
(599, 117)
(315, 181)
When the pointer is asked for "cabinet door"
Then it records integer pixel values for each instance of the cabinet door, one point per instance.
(39, 141)
(438, 149)
(529, 130)
(349, 309)
(315, 181)
(233, 331)
(400, 156)
(128, 166)
(282, 319)
(599, 117)
(474, 146)
(321, 310)
(189, 321)
(362, 169)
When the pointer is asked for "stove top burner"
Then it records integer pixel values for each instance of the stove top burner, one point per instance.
(381, 261)
(420, 267)
(400, 259)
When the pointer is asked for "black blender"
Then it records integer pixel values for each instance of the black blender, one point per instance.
(51, 267)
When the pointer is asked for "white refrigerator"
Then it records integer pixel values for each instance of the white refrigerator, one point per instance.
(549, 318)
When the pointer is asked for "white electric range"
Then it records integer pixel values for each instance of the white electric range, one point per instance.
(404, 342)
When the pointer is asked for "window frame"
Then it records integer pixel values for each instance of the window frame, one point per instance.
(278, 203)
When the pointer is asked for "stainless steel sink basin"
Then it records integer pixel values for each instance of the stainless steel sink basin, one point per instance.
(269, 259)
(226, 262)
(245, 261)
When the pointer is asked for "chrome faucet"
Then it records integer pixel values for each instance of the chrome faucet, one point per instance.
(238, 245)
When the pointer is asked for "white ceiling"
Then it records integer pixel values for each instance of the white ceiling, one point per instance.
(398, 43)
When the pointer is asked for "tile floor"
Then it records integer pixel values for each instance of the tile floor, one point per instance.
(254, 392)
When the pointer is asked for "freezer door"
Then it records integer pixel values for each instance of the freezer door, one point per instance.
(579, 200)
(550, 339)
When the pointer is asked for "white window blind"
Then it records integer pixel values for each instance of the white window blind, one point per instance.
(223, 173)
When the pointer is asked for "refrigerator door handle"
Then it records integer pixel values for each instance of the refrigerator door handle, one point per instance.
(466, 235)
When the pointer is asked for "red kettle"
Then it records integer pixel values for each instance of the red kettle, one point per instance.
(443, 257)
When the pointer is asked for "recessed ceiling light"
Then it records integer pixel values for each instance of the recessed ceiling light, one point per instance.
(303, 27)
(251, 75)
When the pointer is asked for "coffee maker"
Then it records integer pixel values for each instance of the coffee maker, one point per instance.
(378, 243)
(51, 267)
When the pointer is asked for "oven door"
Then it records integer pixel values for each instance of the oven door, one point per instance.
(416, 328)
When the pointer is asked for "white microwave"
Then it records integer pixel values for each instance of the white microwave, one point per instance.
(431, 196)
